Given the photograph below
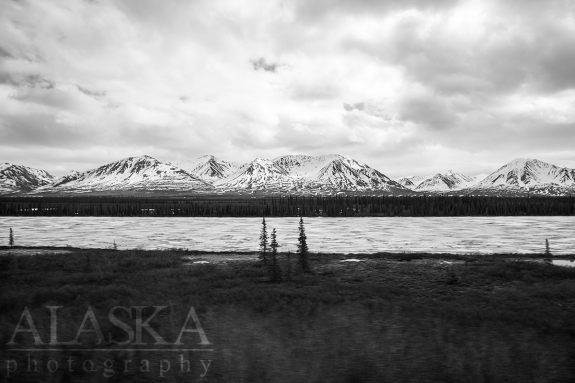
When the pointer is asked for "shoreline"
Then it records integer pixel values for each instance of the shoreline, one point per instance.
(401, 256)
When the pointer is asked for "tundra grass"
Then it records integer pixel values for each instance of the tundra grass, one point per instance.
(382, 318)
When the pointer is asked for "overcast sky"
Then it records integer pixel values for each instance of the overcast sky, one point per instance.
(409, 87)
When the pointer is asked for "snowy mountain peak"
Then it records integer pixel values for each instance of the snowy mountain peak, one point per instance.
(263, 165)
(19, 178)
(209, 168)
(262, 162)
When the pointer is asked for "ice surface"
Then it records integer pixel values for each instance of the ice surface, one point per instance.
(337, 235)
(564, 262)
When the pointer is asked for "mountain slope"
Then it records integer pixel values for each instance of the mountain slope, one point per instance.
(19, 178)
(129, 174)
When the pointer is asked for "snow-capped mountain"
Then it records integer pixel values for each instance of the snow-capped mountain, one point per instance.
(347, 174)
(129, 174)
(530, 175)
(301, 173)
(19, 178)
(439, 182)
(209, 168)
(258, 174)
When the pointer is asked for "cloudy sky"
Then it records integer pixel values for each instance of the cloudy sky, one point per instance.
(407, 86)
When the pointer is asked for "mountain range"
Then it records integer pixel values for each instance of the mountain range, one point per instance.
(289, 174)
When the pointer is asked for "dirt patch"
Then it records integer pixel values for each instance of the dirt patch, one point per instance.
(198, 259)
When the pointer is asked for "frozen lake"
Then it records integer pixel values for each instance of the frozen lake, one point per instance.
(337, 235)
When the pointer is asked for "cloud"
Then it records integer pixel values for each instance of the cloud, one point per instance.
(92, 93)
(28, 80)
(314, 10)
(4, 53)
(391, 83)
(357, 105)
(261, 64)
(371, 108)
(432, 112)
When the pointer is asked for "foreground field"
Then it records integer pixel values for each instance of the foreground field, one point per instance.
(377, 318)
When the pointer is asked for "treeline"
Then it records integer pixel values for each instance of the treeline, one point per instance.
(330, 206)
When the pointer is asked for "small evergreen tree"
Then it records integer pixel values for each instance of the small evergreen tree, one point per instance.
(302, 248)
(275, 269)
(547, 252)
(11, 239)
(264, 242)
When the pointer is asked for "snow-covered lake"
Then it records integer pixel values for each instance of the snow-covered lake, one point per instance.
(337, 235)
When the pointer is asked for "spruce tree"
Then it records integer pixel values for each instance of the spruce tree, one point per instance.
(264, 242)
(302, 248)
(275, 269)
(547, 252)
(11, 239)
